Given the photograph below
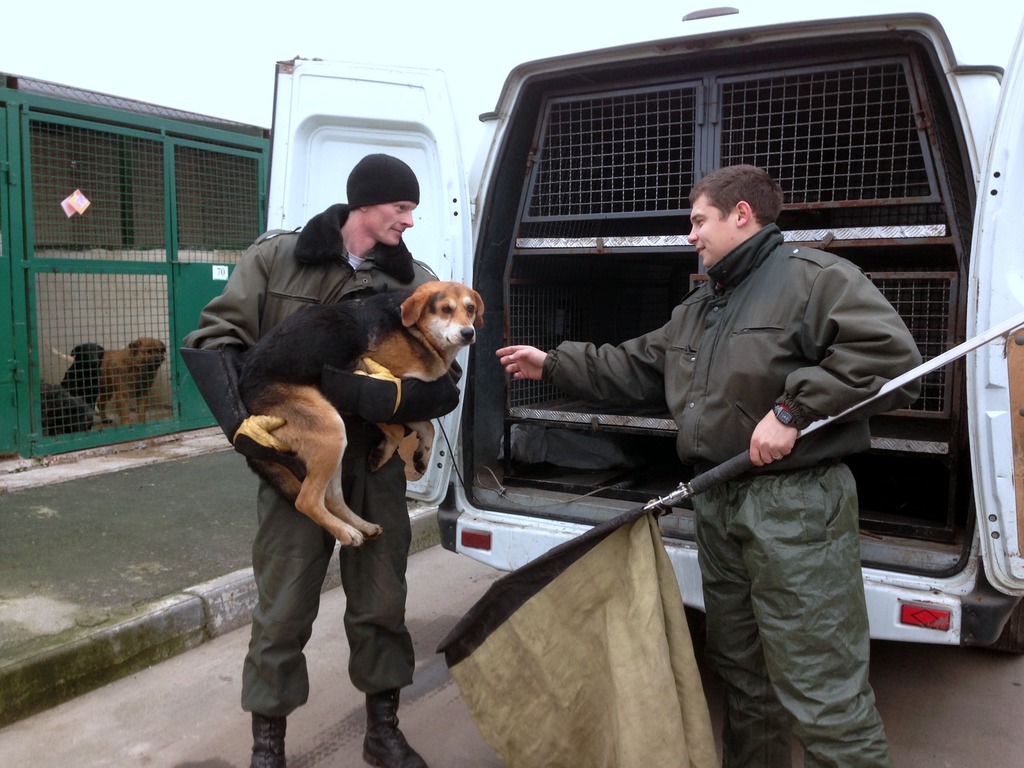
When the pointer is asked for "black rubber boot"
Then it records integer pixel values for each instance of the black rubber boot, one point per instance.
(267, 742)
(384, 745)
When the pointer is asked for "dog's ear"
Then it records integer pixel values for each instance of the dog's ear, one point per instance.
(412, 307)
(135, 347)
(478, 300)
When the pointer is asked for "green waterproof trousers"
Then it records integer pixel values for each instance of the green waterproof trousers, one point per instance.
(290, 557)
(787, 626)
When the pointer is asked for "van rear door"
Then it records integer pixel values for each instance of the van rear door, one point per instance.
(995, 396)
(329, 115)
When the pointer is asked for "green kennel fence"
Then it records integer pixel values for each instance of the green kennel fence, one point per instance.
(119, 220)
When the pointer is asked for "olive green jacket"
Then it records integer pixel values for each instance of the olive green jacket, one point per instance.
(775, 323)
(284, 271)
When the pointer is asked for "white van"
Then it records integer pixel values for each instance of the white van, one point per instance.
(891, 153)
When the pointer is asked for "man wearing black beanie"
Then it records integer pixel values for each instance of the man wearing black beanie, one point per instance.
(379, 179)
(350, 250)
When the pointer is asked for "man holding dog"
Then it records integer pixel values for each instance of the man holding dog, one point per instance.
(347, 251)
(778, 337)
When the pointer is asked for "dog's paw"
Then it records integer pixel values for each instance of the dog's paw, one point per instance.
(348, 536)
(355, 539)
(419, 461)
(375, 460)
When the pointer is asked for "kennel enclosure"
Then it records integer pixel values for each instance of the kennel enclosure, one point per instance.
(119, 220)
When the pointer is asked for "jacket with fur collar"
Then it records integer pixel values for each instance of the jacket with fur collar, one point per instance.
(320, 243)
(284, 271)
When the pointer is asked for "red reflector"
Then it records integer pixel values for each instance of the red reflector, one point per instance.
(920, 616)
(476, 539)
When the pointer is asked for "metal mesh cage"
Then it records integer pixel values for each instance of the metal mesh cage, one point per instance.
(925, 301)
(622, 163)
(117, 201)
(554, 300)
(218, 204)
(121, 177)
(616, 154)
(544, 316)
(848, 142)
(833, 135)
(103, 341)
(548, 301)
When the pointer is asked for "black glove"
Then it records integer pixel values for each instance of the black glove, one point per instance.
(215, 372)
(370, 398)
(422, 400)
(382, 400)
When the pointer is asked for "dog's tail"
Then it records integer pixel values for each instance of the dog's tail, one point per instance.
(281, 478)
(269, 463)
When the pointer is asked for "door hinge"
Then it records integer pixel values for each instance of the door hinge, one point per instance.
(10, 174)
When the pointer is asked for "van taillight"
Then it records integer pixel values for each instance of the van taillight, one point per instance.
(476, 539)
(924, 616)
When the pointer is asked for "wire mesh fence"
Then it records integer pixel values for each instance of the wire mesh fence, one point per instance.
(116, 209)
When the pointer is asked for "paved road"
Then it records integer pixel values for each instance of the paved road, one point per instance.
(944, 707)
(185, 712)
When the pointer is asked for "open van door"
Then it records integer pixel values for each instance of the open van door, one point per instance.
(996, 372)
(328, 116)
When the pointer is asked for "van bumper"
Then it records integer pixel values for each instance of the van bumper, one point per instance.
(985, 612)
(977, 612)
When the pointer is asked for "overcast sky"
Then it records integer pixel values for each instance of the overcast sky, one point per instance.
(198, 56)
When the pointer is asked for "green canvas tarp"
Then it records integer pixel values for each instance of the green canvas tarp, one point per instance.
(582, 658)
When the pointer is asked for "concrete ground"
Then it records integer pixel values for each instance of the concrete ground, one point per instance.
(114, 559)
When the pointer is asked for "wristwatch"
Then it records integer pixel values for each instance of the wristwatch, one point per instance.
(783, 414)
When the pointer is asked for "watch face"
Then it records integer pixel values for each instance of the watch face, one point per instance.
(783, 415)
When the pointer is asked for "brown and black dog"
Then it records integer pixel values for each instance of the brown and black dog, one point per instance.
(126, 376)
(410, 334)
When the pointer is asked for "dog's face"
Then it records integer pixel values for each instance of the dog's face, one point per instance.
(82, 378)
(447, 312)
(88, 353)
(147, 352)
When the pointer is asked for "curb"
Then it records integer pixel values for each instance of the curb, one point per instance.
(19, 474)
(158, 631)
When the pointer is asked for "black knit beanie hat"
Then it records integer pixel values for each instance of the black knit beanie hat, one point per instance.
(381, 179)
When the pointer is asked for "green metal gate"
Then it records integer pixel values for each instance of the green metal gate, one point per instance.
(119, 221)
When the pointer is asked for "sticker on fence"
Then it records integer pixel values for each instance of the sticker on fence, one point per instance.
(74, 203)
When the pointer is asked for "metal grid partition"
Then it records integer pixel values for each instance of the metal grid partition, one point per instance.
(848, 141)
(122, 178)
(926, 302)
(831, 135)
(106, 328)
(217, 204)
(616, 154)
(551, 300)
(103, 340)
(544, 315)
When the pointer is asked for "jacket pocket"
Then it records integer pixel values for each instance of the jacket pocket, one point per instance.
(277, 306)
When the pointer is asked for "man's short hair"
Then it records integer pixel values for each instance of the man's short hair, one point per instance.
(727, 186)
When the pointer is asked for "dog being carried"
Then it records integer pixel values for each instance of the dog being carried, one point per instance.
(414, 334)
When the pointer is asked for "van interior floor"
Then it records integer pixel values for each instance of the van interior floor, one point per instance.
(887, 540)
